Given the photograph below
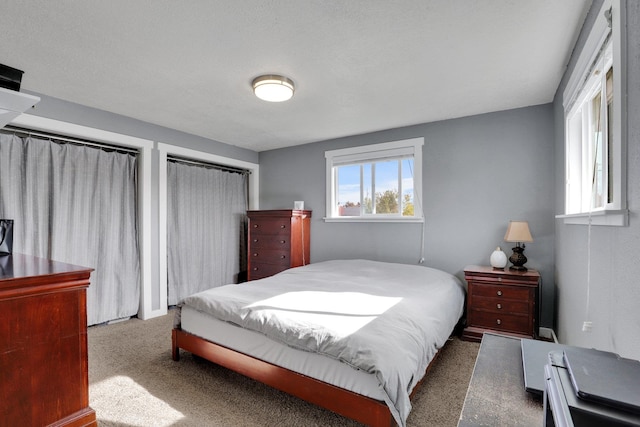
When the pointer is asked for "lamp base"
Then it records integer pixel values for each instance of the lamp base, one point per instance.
(518, 259)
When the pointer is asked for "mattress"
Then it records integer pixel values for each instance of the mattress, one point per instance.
(259, 346)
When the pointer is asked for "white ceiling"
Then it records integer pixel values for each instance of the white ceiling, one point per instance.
(358, 65)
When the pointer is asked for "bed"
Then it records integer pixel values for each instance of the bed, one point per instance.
(353, 336)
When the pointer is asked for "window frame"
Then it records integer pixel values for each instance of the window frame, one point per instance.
(578, 92)
(407, 148)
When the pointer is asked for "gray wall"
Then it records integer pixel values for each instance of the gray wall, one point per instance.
(615, 259)
(479, 172)
(58, 109)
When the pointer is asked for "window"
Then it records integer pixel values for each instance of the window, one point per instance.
(595, 113)
(380, 182)
(589, 141)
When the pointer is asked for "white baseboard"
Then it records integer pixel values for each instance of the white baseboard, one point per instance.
(114, 321)
(548, 333)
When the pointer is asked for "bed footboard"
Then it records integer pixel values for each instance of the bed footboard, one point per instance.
(344, 402)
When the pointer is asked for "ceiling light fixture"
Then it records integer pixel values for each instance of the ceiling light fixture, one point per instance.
(273, 88)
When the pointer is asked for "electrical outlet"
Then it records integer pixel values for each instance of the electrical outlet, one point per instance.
(586, 326)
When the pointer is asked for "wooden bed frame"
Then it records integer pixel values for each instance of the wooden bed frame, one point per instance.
(352, 405)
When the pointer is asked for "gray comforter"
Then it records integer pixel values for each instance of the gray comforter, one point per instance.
(386, 319)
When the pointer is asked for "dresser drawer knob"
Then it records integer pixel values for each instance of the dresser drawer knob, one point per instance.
(283, 241)
(282, 226)
(255, 240)
(255, 254)
(255, 225)
(255, 268)
(499, 306)
(498, 322)
(282, 257)
(499, 293)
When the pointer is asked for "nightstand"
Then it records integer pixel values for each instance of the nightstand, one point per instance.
(501, 301)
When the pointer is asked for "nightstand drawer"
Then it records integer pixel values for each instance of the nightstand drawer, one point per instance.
(500, 305)
(482, 289)
(500, 321)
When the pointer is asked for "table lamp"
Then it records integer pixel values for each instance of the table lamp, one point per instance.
(518, 232)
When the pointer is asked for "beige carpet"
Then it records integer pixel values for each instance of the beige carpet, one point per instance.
(134, 382)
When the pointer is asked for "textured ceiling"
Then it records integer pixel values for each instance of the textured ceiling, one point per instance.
(358, 65)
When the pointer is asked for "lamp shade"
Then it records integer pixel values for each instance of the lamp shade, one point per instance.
(518, 231)
(273, 88)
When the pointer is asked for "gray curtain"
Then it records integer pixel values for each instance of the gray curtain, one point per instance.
(76, 204)
(206, 223)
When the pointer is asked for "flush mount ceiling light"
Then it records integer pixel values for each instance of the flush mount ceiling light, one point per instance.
(273, 88)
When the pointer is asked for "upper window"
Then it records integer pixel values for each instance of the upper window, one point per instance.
(595, 111)
(589, 142)
(380, 182)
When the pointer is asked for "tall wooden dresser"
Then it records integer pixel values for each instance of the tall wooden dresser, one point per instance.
(277, 240)
(43, 343)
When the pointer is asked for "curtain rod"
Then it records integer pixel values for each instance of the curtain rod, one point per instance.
(193, 162)
(18, 131)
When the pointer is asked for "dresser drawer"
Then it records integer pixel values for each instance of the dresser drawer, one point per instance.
(270, 226)
(501, 305)
(273, 241)
(260, 270)
(499, 291)
(500, 321)
(270, 256)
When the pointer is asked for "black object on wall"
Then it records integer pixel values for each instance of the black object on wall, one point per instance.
(6, 236)
(10, 78)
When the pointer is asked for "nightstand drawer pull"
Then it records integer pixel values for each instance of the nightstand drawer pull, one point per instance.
(499, 293)
(498, 306)
(498, 322)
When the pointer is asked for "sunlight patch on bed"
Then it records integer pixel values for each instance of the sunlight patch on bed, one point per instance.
(342, 313)
(122, 401)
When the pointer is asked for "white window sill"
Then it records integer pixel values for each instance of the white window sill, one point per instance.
(372, 219)
(611, 218)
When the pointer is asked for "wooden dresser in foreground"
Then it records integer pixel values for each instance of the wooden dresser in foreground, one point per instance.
(43, 343)
(502, 301)
(278, 240)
